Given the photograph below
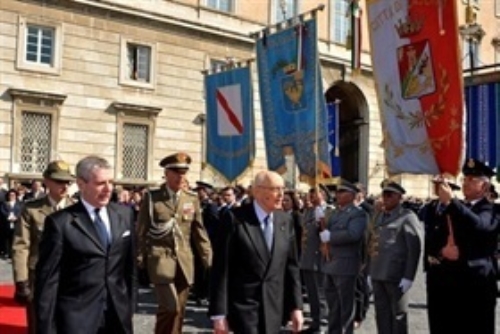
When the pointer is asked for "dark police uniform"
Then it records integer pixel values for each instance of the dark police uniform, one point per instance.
(462, 292)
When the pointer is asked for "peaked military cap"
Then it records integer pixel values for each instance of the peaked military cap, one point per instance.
(392, 186)
(178, 160)
(345, 185)
(203, 185)
(476, 167)
(58, 170)
(450, 182)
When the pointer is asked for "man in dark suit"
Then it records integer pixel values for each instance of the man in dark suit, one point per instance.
(464, 248)
(210, 218)
(85, 271)
(250, 297)
(434, 219)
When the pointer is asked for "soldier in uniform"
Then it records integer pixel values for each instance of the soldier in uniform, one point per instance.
(345, 236)
(395, 246)
(169, 218)
(27, 233)
(310, 259)
(463, 249)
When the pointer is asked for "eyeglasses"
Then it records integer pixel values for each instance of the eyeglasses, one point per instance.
(274, 189)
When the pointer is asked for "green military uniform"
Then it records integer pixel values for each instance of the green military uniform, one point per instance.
(167, 222)
(27, 234)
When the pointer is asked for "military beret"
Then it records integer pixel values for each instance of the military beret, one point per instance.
(203, 185)
(392, 186)
(58, 170)
(178, 160)
(450, 182)
(345, 185)
(474, 167)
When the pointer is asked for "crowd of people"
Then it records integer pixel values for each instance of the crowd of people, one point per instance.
(249, 254)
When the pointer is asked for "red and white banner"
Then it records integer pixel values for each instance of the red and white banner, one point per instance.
(417, 67)
(229, 111)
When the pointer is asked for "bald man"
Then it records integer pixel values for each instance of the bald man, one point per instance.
(251, 298)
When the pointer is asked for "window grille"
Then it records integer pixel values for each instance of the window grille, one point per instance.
(40, 44)
(36, 138)
(135, 151)
(139, 62)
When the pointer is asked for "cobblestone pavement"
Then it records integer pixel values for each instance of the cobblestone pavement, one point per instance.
(197, 321)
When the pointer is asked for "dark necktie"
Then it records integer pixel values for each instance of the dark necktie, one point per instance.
(102, 232)
(268, 231)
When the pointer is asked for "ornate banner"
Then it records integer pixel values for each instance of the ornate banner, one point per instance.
(417, 65)
(293, 105)
(482, 94)
(230, 144)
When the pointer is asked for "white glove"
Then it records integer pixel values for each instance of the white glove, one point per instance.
(405, 285)
(369, 283)
(325, 236)
(319, 213)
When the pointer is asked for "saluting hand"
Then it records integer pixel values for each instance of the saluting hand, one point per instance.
(445, 193)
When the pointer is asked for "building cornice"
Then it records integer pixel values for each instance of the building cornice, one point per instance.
(220, 31)
(22, 94)
(129, 107)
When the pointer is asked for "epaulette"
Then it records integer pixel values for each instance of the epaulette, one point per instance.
(190, 192)
(156, 193)
(36, 202)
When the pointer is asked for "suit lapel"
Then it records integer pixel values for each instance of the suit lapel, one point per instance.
(255, 234)
(83, 223)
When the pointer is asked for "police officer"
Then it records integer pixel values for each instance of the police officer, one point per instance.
(395, 247)
(27, 233)
(169, 218)
(464, 251)
(344, 235)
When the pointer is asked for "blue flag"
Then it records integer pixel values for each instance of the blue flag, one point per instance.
(482, 94)
(333, 138)
(230, 145)
(292, 101)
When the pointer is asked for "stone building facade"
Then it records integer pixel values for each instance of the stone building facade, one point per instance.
(123, 79)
